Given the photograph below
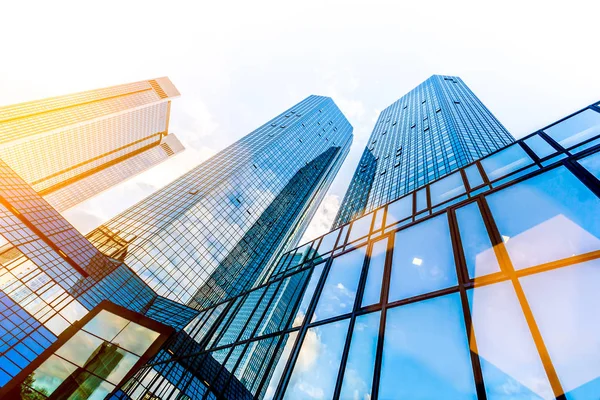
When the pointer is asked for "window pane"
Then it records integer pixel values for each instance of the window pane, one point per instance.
(399, 210)
(358, 376)
(576, 129)
(565, 304)
(340, 287)
(328, 242)
(316, 368)
(473, 176)
(48, 376)
(111, 363)
(79, 347)
(136, 338)
(106, 325)
(360, 227)
(446, 189)
(477, 247)
(506, 161)
(539, 146)
(422, 199)
(426, 352)
(308, 294)
(510, 362)
(546, 218)
(423, 261)
(288, 343)
(592, 164)
(372, 292)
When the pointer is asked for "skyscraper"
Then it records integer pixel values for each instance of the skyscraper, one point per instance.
(72, 147)
(434, 129)
(210, 234)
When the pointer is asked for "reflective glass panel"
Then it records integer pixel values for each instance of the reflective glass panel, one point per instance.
(592, 164)
(506, 161)
(565, 304)
(378, 219)
(423, 261)
(340, 287)
(421, 199)
(79, 348)
(111, 363)
(545, 218)
(316, 369)
(288, 343)
(136, 338)
(106, 325)
(473, 176)
(510, 362)
(328, 242)
(308, 294)
(399, 210)
(539, 146)
(360, 227)
(426, 352)
(372, 292)
(477, 247)
(48, 376)
(89, 387)
(358, 376)
(446, 189)
(576, 129)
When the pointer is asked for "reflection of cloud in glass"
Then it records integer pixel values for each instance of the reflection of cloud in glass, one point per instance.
(278, 371)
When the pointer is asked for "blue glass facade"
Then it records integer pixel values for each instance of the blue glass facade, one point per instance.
(211, 233)
(434, 129)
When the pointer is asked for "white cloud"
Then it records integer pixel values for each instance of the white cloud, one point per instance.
(311, 349)
(323, 219)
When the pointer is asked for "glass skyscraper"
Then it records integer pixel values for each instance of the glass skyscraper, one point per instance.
(72, 147)
(213, 232)
(486, 288)
(434, 129)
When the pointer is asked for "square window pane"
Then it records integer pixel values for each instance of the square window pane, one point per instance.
(136, 338)
(318, 363)
(592, 164)
(48, 376)
(477, 246)
(358, 375)
(565, 304)
(421, 199)
(308, 294)
(360, 227)
(546, 218)
(328, 242)
(539, 146)
(340, 287)
(79, 348)
(423, 260)
(399, 210)
(510, 362)
(106, 325)
(446, 189)
(473, 176)
(426, 352)
(576, 129)
(506, 161)
(372, 292)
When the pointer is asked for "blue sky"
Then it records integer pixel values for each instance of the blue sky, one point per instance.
(238, 64)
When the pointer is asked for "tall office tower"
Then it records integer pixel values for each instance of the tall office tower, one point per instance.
(211, 233)
(483, 284)
(434, 129)
(72, 147)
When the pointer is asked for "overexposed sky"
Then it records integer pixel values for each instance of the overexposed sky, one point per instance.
(238, 64)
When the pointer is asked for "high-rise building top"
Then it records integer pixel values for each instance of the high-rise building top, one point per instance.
(434, 129)
(56, 142)
(210, 233)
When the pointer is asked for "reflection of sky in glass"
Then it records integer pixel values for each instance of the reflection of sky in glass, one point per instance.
(510, 363)
(565, 304)
(278, 371)
(426, 353)
(505, 161)
(423, 260)
(473, 176)
(372, 292)
(48, 376)
(539, 146)
(546, 218)
(399, 210)
(79, 347)
(576, 129)
(136, 338)
(308, 294)
(339, 291)
(316, 368)
(360, 227)
(421, 199)
(358, 376)
(478, 250)
(446, 189)
(106, 325)
(592, 164)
